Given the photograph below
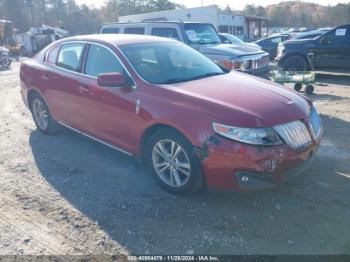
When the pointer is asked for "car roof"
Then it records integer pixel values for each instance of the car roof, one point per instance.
(118, 39)
(152, 22)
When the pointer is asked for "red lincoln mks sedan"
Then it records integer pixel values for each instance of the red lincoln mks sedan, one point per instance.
(192, 122)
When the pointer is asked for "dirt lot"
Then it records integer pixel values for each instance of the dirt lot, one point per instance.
(66, 194)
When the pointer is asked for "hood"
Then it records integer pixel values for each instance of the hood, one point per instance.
(239, 99)
(254, 45)
(230, 49)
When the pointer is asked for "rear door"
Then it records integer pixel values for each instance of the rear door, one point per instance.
(332, 51)
(107, 113)
(63, 81)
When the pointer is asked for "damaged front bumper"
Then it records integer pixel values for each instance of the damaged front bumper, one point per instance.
(231, 165)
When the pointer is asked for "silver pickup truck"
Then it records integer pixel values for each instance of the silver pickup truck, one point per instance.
(204, 38)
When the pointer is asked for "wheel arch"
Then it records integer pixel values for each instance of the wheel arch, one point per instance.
(30, 95)
(152, 129)
(155, 127)
(302, 55)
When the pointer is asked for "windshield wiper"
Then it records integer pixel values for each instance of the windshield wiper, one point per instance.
(175, 80)
(179, 80)
(207, 75)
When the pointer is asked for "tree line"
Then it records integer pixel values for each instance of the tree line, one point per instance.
(302, 14)
(77, 19)
(82, 19)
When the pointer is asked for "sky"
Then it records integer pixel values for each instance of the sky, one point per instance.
(234, 4)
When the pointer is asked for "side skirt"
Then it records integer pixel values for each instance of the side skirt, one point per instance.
(95, 139)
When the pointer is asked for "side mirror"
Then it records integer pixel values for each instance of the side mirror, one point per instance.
(227, 41)
(111, 80)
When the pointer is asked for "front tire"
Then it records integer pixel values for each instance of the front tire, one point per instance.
(173, 163)
(41, 115)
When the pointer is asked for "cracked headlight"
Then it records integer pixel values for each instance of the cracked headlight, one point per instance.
(253, 136)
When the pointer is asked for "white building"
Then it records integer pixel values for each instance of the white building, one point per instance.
(242, 26)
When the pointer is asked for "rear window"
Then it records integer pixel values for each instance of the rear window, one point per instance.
(166, 32)
(52, 54)
(135, 30)
(70, 56)
(110, 30)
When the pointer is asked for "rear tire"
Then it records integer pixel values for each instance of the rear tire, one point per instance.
(295, 63)
(42, 116)
(173, 162)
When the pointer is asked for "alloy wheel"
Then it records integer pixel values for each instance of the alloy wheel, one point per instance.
(40, 114)
(171, 163)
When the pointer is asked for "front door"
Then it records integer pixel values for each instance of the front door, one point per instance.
(107, 113)
(332, 51)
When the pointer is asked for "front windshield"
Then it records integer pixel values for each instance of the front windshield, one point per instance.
(168, 63)
(201, 34)
(234, 39)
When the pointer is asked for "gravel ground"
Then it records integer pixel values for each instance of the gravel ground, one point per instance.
(66, 194)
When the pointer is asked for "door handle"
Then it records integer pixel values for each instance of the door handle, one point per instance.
(45, 77)
(84, 89)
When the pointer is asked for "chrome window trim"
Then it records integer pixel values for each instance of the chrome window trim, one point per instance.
(96, 139)
(86, 75)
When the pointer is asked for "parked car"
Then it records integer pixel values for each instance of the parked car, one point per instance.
(330, 51)
(192, 122)
(270, 44)
(204, 38)
(5, 60)
(234, 40)
(309, 34)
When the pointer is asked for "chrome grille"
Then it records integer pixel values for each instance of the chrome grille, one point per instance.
(261, 62)
(295, 134)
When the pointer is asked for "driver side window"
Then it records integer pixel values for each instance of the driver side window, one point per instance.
(100, 60)
(338, 36)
